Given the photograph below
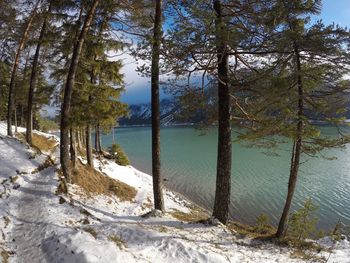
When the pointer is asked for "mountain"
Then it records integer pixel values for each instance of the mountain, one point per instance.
(140, 114)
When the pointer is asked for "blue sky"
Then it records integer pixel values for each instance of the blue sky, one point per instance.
(138, 88)
(337, 11)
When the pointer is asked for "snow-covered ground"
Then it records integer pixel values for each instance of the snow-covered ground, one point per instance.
(36, 227)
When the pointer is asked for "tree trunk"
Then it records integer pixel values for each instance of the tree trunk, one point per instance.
(33, 80)
(68, 90)
(22, 116)
(77, 138)
(72, 147)
(15, 114)
(223, 169)
(113, 139)
(88, 146)
(10, 106)
(97, 130)
(157, 180)
(98, 147)
(82, 140)
(296, 150)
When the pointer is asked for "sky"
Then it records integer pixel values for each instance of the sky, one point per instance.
(138, 88)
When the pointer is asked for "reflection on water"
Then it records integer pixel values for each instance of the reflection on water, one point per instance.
(259, 181)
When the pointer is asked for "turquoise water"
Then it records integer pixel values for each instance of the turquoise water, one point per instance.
(259, 181)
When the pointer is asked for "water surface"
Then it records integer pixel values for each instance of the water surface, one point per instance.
(259, 181)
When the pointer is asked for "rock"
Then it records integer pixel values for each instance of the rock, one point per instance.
(16, 186)
(13, 178)
(153, 213)
(62, 200)
(85, 221)
(211, 221)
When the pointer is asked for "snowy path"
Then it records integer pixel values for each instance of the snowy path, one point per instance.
(32, 219)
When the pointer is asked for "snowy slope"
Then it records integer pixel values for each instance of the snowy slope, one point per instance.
(35, 227)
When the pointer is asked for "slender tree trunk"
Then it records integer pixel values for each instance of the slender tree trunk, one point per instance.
(33, 80)
(88, 146)
(297, 148)
(11, 104)
(157, 179)
(77, 138)
(68, 90)
(113, 139)
(223, 169)
(72, 147)
(22, 116)
(82, 141)
(98, 147)
(99, 138)
(15, 115)
(97, 130)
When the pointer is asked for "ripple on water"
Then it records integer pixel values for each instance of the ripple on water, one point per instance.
(259, 182)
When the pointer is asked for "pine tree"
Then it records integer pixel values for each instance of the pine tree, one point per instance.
(213, 38)
(21, 44)
(144, 21)
(156, 42)
(78, 45)
(33, 78)
(302, 81)
(95, 101)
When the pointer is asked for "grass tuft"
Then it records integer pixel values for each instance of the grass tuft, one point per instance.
(4, 255)
(256, 232)
(93, 182)
(195, 215)
(40, 142)
(118, 241)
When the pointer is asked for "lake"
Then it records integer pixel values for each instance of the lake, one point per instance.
(259, 181)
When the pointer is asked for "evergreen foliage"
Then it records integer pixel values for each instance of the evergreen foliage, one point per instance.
(302, 223)
(119, 155)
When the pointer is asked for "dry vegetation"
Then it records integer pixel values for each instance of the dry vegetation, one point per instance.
(40, 142)
(252, 231)
(43, 143)
(5, 256)
(46, 164)
(93, 182)
(118, 241)
(197, 214)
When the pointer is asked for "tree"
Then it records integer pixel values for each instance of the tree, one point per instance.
(33, 79)
(15, 66)
(68, 90)
(303, 81)
(208, 43)
(223, 166)
(148, 30)
(157, 180)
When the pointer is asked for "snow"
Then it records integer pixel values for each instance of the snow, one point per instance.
(35, 227)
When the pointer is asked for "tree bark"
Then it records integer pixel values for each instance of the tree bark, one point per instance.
(88, 146)
(10, 105)
(297, 148)
(68, 90)
(157, 180)
(98, 147)
(22, 116)
(15, 115)
(96, 134)
(72, 147)
(33, 80)
(223, 169)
